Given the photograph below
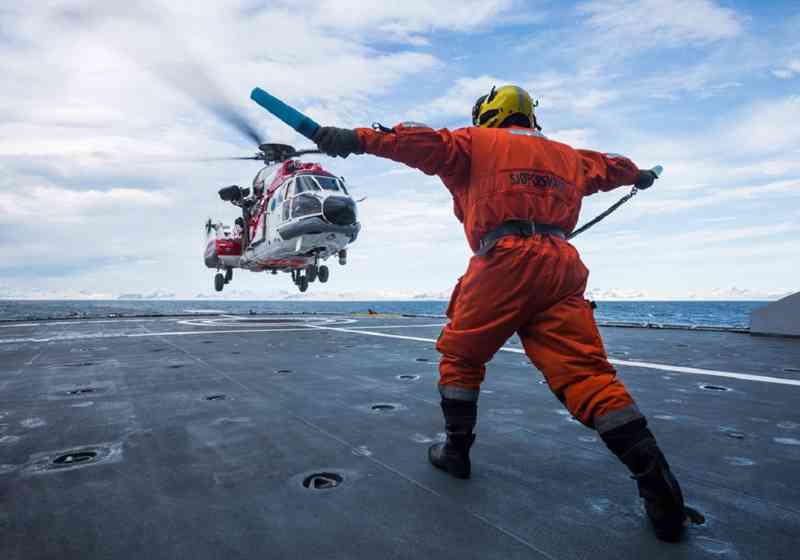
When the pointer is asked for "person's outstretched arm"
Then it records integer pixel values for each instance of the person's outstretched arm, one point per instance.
(436, 152)
(604, 172)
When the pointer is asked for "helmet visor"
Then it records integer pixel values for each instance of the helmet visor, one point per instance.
(476, 109)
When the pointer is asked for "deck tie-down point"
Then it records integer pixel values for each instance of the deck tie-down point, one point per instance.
(383, 407)
(81, 391)
(69, 459)
(714, 387)
(218, 397)
(323, 481)
(407, 377)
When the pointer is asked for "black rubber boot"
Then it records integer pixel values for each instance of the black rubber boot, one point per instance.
(453, 455)
(636, 447)
(663, 499)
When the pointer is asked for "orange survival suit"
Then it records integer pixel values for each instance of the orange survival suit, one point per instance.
(533, 285)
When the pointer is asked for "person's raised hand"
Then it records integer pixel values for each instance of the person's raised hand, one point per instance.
(339, 142)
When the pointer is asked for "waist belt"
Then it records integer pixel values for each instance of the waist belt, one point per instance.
(518, 228)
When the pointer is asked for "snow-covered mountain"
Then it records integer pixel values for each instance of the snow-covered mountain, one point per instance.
(317, 294)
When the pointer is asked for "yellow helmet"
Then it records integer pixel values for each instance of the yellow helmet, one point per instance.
(491, 110)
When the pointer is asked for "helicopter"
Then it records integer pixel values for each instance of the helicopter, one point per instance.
(295, 217)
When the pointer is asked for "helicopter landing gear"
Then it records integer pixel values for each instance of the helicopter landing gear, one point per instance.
(219, 282)
(343, 257)
(228, 275)
(311, 272)
(323, 273)
(300, 280)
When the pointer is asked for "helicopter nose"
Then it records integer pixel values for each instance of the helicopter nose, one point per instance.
(339, 210)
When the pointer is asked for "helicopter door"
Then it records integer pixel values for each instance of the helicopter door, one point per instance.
(287, 200)
(275, 213)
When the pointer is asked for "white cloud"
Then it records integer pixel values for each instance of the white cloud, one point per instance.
(769, 127)
(84, 106)
(790, 70)
(715, 197)
(577, 137)
(650, 23)
(556, 92)
(458, 99)
(407, 19)
(54, 204)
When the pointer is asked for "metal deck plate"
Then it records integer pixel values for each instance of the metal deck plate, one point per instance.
(296, 456)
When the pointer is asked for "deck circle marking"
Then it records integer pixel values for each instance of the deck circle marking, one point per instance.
(266, 322)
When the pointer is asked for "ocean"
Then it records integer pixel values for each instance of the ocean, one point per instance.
(694, 313)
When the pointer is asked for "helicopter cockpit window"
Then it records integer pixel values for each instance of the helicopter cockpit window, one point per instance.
(328, 183)
(305, 184)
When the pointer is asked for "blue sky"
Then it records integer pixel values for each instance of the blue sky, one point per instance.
(98, 113)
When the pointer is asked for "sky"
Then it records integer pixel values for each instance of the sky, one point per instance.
(104, 105)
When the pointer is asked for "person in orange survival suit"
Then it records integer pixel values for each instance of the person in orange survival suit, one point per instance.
(518, 194)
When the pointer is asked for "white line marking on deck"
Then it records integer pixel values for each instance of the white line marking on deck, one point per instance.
(646, 365)
(359, 330)
(140, 335)
(30, 362)
(400, 326)
(85, 322)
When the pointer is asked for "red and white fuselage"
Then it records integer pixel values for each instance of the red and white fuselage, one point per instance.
(298, 215)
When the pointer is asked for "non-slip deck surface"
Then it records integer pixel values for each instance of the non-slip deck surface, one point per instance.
(204, 429)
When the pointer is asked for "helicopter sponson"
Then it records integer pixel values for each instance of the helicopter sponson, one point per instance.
(296, 217)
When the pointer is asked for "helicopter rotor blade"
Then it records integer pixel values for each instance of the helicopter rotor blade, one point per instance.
(231, 116)
(162, 161)
(225, 158)
(193, 80)
(304, 152)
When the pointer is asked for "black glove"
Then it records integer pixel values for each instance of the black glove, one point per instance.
(645, 180)
(338, 141)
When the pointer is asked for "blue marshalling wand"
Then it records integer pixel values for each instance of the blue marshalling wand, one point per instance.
(291, 116)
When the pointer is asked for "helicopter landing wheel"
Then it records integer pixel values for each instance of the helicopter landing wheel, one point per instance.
(323, 273)
(303, 283)
(228, 275)
(219, 282)
(311, 272)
